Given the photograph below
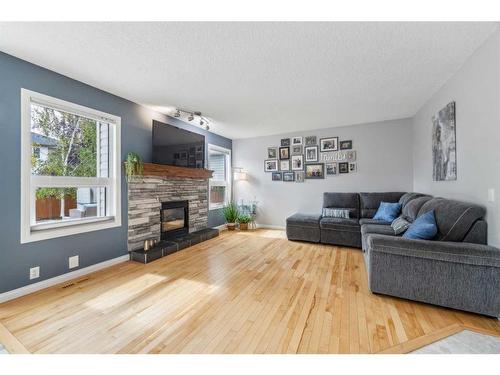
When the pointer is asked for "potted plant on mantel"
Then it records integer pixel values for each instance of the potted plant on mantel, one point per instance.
(133, 165)
(243, 221)
(230, 212)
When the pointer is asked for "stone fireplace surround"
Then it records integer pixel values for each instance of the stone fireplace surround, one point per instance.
(145, 195)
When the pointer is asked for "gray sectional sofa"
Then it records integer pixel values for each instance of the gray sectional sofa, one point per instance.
(457, 269)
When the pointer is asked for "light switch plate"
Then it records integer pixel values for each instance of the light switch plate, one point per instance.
(34, 273)
(491, 195)
(74, 262)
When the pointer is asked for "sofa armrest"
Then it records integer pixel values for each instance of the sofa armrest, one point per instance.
(455, 252)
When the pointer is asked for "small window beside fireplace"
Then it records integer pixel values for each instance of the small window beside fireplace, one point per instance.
(174, 219)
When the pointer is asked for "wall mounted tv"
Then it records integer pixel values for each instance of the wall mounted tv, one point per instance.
(175, 146)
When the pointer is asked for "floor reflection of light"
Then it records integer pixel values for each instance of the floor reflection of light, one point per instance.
(264, 233)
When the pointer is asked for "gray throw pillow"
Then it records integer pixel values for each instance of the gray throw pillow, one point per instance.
(336, 212)
(400, 225)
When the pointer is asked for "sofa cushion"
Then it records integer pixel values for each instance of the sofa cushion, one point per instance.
(424, 228)
(336, 212)
(373, 221)
(370, 202)
(407, 197)
(348, 201)
(454, 218)
(411, 209)
(377, 229)
(304, 220)
(388, 211)
(400, 225)
(334, 223)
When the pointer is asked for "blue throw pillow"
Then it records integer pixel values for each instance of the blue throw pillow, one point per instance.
(388, 211)
(424, 228)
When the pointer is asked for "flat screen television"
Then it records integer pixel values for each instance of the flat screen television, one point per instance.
(176, 146)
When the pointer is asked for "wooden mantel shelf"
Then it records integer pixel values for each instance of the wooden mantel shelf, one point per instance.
(161, 170)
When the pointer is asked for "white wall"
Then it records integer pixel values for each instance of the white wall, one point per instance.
(384, 156)
(476, 91)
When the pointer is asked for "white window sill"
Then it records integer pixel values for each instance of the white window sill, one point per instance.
(54, 229)
(215, 207)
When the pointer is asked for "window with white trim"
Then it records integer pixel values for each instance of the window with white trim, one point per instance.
(219, 161)
(71, 176)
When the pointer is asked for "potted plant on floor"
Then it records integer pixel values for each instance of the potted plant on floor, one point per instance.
(243, 221)
(230, 212)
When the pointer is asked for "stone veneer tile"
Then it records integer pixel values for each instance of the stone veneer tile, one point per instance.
(145, 195)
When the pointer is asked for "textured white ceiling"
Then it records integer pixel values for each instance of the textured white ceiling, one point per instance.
(257, 79)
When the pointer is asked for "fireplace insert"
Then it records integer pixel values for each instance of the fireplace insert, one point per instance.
(174, 219)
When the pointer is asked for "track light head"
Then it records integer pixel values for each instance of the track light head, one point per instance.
(177, 113)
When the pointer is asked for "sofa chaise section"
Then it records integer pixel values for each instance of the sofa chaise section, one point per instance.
(303, 227)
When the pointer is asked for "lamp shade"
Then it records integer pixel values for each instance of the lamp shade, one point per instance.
(239, 174)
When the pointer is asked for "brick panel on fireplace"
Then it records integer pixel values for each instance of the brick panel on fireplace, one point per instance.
(145, 195)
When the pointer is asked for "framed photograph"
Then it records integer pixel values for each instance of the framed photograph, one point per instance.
(284, 165)
(343, 167)
(285, 142)
(311, 154)
(296, 149)
(331, 169)
(311, 140)
(315, 171)
(284, 153)
(297, 162)
(272, 152)
(276, 176)
(345, 145)
(288, 176)
(270, 165)
(329, 144)
(350, 155)
(296, 141)
(299, 176)
(353, 167)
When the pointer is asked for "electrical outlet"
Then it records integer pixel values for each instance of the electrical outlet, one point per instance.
(491, 195)
(34, 273)
(73, 262)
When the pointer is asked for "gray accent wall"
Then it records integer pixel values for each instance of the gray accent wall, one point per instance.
(95, 247)
(384, 157)
(475, 88)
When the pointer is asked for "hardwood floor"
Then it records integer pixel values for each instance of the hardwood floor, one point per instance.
(243, 292)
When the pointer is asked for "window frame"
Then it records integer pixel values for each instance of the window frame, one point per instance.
(30, 231)
(228, 183)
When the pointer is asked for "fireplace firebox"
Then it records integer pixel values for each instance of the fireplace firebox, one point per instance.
(174, 219)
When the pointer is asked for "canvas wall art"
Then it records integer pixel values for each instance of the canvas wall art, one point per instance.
(444, 144)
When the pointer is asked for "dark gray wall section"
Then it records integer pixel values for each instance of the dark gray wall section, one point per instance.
(94, 247)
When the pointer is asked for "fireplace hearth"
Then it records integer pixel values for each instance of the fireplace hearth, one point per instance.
(174, 216)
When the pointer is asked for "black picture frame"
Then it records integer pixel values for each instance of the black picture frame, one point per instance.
(281, 150)
(343, 167)
(319, 176)
(289, 176)
(277, 176)
(345, 145)
(285, 142)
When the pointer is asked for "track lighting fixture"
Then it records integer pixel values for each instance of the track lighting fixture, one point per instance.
(191, 116)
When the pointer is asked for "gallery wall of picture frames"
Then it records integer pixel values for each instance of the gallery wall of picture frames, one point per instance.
(298, 159)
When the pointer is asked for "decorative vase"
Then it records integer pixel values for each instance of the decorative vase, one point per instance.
(231, 226)
(243, 226)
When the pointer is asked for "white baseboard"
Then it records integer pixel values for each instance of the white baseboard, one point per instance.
(28, 289)
(266, 226)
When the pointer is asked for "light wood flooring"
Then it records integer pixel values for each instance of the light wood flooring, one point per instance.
(243, 292)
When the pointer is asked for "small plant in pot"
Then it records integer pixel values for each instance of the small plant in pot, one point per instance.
(230, 212)
(133, 165)
(243, 220)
